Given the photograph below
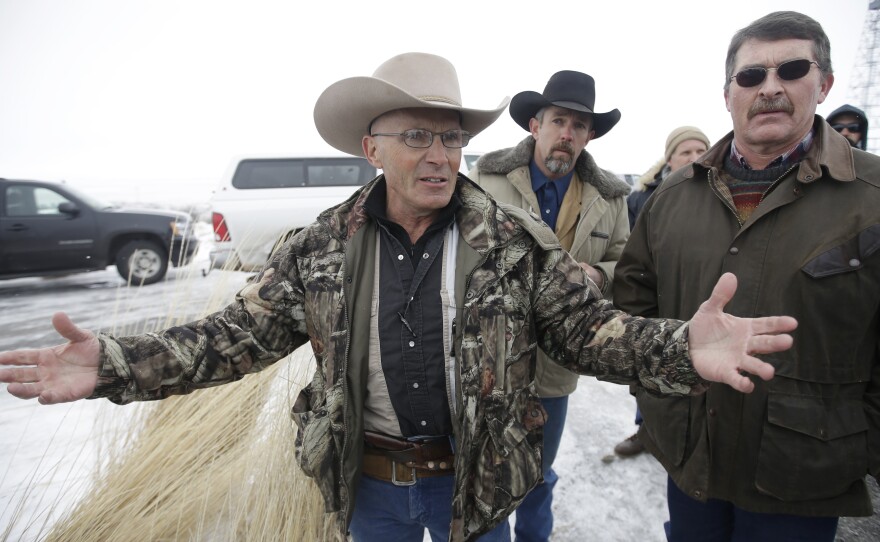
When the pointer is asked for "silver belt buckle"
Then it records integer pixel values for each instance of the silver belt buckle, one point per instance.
(394, 476)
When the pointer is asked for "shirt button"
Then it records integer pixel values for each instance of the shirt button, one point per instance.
(424, 423)
(734, 251)
(416, 385)
(425, 256)
(546, 211)
(854, 263)
(411, 344)
(400, 256)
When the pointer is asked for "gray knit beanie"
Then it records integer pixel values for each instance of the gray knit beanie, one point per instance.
(683, 133)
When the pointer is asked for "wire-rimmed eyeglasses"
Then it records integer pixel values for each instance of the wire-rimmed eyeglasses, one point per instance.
(418, 138)
(787, 71)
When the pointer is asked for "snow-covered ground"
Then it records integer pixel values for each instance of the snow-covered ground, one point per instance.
(44, 449)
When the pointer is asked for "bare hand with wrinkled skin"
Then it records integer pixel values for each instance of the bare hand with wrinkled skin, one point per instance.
(722, 346)
(58, 374)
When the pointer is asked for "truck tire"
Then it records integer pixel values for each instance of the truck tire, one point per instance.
(141, 262)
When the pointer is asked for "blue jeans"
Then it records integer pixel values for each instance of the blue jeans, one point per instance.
(534, 517)
(720, 521)
(384, 512)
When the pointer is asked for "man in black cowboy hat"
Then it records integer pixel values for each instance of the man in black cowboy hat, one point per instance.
(551, 174)
(424, 302)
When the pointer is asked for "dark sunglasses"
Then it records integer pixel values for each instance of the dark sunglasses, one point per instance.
(853, 127)
(787, 71)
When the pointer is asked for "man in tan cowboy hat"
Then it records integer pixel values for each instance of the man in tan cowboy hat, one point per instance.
(424, 301)
(550, 173)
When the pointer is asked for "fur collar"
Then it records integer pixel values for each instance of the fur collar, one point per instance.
(504, 161)
(649, 178)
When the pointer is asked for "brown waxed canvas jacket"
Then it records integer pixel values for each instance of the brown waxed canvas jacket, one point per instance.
(803, 442)
(515, 290)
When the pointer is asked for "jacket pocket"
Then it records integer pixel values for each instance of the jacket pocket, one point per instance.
(509, 463)
(812, 448)
(845, 257)
(315, 444)
(666, 420)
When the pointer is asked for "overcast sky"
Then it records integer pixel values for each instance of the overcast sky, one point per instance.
(153, 99)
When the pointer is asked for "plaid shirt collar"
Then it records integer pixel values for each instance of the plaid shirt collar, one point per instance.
(791, 157)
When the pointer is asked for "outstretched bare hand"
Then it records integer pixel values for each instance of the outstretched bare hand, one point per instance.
(722, 346)
(58, 374)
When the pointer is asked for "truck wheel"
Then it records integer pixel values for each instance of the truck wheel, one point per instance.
(141, 263)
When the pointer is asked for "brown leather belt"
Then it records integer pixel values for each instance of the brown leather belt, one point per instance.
(402, 462)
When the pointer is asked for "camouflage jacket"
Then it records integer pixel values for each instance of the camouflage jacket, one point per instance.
(515, 289)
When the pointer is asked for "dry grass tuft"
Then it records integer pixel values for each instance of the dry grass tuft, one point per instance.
(216, 465)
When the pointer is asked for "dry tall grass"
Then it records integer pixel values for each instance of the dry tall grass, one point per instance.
(216, 465)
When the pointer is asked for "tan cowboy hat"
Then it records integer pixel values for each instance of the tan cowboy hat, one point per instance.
(344, 111)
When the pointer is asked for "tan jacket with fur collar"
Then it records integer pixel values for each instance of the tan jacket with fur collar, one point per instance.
(593, 224)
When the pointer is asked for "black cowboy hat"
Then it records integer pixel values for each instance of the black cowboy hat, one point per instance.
(568, 89)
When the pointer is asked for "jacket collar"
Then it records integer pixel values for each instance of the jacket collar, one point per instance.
(831, 157)
(483, 225)
(502, 162)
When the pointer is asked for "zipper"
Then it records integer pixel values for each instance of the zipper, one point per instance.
(773, 185)
(346, 439)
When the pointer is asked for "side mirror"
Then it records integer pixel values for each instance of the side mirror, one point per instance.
(68, 208)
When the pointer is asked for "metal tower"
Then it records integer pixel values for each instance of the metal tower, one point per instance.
(865, 78)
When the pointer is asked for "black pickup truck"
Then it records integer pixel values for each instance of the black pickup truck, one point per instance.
(49, 229)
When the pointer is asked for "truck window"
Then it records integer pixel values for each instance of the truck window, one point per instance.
(48, 201)
(293, 173)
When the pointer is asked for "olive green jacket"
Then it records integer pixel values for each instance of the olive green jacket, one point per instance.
(516, 290)
(803, 442)
(600, 233)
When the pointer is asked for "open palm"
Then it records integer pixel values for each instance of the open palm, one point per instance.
(58, 374)
(722, 346)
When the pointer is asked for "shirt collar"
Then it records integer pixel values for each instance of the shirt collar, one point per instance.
(793, 155)
(376, 200)
(539, 180)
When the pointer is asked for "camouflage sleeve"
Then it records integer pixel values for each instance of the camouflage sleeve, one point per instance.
(587, 335)
(264, 323)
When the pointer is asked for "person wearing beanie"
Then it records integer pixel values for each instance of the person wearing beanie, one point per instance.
(683, 146)
(852, 123)
(551, 174)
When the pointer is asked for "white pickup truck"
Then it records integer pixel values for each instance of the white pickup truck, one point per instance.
(262, 200)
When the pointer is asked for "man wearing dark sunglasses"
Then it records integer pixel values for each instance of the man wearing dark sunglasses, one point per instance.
(852, 123)
(784, 202)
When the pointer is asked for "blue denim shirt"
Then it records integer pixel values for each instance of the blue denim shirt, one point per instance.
(549, 193)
